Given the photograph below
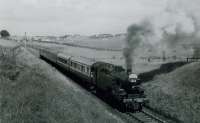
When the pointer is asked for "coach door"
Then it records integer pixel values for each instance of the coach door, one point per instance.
(94, 75)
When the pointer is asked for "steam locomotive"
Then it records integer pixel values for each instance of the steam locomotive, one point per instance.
(111, 80)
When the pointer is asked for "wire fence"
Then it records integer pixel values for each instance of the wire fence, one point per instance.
(8, 54)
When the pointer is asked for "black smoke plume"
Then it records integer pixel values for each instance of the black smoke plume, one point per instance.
(135, 34)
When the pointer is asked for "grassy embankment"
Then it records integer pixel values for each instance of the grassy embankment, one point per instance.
(33, 92)
(177, 94)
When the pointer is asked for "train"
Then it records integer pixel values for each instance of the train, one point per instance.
(112, 81)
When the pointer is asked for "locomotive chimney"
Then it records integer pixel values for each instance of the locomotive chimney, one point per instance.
(164, 55)
(129, 71)
(128, 64)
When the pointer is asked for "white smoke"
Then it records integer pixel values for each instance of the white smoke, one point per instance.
(177, 23)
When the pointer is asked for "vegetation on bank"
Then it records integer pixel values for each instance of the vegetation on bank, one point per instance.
(177, 94)
(33, 92)
(4, 34)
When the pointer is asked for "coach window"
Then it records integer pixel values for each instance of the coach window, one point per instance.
(65, 61)
(62, 60)
(88, 70)
(82, 68)
(59, 59)
(79, 67)
(105, 71)
(74, 65)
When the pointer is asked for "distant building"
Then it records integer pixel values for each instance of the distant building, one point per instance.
(105, 36)
(102, 36)
(120, 34)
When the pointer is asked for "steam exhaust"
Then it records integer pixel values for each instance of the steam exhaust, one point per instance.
(135, 34)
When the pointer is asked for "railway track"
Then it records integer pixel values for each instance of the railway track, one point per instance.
(145, 117)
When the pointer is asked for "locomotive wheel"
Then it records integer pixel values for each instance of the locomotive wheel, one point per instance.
(93, 90)
(123, 108)
(140, 107)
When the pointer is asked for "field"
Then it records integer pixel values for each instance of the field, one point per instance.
(113, 56)
(116, 42)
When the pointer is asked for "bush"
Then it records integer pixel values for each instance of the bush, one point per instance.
(177, 94)
(4, 34)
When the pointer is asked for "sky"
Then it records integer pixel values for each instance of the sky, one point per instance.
(85, 17)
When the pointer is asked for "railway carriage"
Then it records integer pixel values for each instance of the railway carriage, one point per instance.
(48, 54)
(63, 60)
(81, 67)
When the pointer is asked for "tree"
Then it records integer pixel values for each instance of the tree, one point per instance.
(4, 34)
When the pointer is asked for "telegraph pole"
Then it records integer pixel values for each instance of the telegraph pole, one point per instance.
(25, 39)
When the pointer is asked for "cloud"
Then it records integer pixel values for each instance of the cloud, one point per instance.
(80, 16)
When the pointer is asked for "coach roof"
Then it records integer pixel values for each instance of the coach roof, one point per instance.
(83, 60)
(65, 56)
(78, 59)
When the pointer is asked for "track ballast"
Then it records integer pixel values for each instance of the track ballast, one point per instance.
(145, 117)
